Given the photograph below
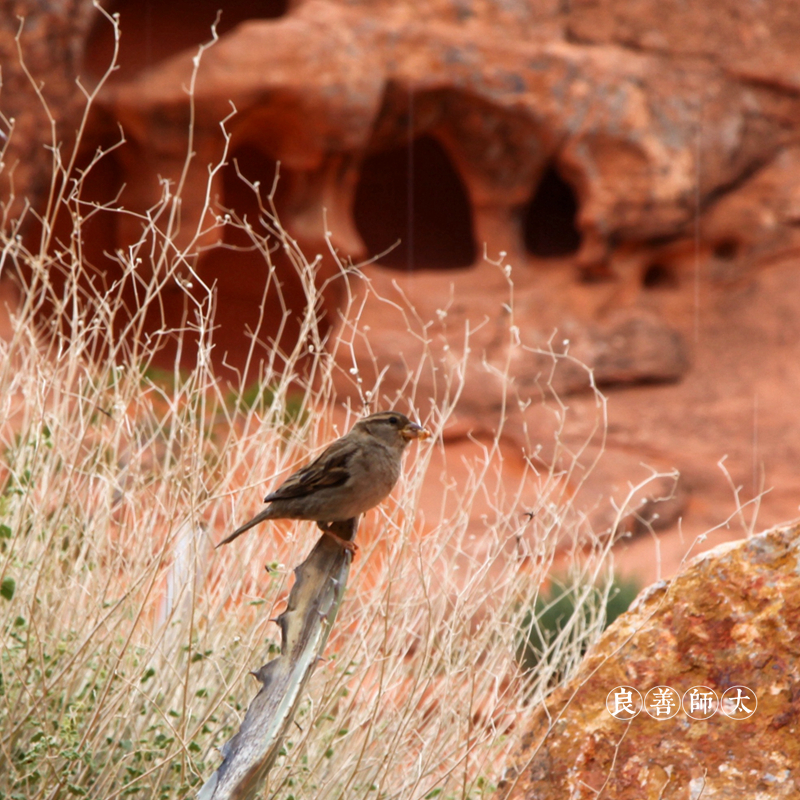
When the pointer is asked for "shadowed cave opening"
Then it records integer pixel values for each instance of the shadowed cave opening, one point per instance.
(243, 278)
(550, 219)
(414, 194)
(154, 30)
(659, 275)
(726, 249)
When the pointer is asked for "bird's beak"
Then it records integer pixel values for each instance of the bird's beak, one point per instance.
(414, 431)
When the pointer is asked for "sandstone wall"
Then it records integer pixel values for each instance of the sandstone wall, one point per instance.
(636, 162)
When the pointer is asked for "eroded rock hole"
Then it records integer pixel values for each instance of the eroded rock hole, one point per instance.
(100, 281)
(550, 218)
(415, 195)
(659, 276)
(255, 294)
(726, 249)
(153, 30)
(244, 276)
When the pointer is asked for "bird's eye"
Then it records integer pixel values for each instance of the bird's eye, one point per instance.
(394, 420)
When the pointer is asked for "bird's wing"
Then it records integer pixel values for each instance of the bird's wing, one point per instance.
(329, 469)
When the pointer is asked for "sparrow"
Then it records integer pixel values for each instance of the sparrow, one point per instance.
(352, 475)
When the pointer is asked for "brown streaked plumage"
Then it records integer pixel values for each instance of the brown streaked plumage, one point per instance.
(352, 475)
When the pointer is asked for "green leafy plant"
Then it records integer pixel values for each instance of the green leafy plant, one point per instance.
(569, 614)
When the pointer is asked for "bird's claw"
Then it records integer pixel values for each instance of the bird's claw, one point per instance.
(347, 544)
(351, 547)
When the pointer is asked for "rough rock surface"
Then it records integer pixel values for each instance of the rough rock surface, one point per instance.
(637, 163)
(730, 617)
(41, 46)
(645, 138)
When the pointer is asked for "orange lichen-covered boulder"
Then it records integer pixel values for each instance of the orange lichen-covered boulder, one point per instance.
(728, 622)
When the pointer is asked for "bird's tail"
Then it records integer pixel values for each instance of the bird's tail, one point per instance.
(264, 515)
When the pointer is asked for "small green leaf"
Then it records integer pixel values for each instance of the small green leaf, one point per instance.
(7, 588)
(5, 532)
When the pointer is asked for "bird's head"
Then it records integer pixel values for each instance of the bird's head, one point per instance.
(392, 427)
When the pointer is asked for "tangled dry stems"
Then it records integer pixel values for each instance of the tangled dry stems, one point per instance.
(126, 638)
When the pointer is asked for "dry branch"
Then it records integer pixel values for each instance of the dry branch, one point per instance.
(305, 625)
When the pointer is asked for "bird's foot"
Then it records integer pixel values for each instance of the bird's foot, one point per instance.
(351, 547)
(347, 544)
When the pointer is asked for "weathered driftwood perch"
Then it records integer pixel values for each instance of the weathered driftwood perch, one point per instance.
(305, 625)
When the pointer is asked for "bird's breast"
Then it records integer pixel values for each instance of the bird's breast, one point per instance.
(373, 479)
